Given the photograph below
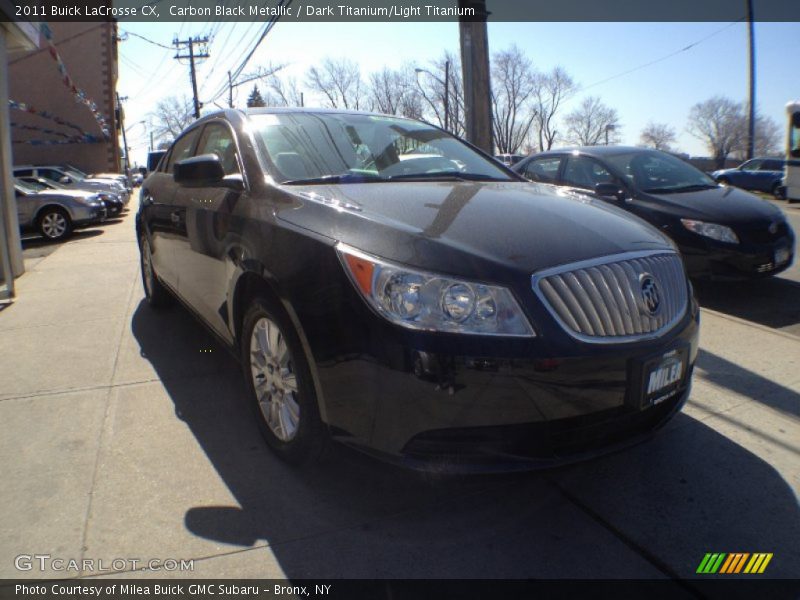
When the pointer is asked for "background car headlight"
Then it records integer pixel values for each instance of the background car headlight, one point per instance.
(426, 301)
(714, 231)
(92, 200)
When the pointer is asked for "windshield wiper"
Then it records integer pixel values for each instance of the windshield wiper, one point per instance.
(681, 189)
(445, 176)
(340, 178)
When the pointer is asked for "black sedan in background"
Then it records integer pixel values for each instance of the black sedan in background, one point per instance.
(722, 232)
(385, 284)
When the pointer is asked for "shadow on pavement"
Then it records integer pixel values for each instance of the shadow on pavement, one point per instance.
(772, 302)
(729, 375)
(42, 242)
(686, 492)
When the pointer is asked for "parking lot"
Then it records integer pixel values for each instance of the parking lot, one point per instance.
(125, 436)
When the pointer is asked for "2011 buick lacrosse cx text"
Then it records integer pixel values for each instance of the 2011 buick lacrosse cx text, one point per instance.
(387, 285)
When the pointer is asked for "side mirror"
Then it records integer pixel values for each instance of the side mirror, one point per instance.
(65, 180)
(199, 171)
(610, 190)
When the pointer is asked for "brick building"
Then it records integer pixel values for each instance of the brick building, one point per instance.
(89, 54)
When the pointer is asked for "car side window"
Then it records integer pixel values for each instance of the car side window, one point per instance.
(585, 172)
(543, 169)
(50, 174)
(217, 139)
(751, 165)
(23, 172)
(771, 165)
(182, 148)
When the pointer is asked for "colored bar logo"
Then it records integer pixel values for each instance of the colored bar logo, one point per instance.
(734, 563)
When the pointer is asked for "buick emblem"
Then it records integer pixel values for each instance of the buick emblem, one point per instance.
(651, 295)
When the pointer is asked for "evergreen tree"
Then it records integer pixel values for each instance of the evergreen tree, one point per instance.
(255, 99)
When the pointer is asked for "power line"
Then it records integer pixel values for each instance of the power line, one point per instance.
(141, 37)
(663, 58)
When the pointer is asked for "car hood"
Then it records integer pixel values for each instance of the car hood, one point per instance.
(452, 226)
(65, 193)
(725, 205)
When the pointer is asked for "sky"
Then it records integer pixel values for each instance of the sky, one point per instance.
(646, 71)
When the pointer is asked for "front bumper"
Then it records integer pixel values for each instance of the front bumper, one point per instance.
(448, 403)
(743, 261)
(84, 215)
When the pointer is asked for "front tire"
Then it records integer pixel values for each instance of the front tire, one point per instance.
(279, 384)
(55, 224)
(155, 293)
(777, 191)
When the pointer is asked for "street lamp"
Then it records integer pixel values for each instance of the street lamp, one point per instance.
(609, 127)
(446, 84)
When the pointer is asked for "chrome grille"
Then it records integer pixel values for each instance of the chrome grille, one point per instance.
(606, 300)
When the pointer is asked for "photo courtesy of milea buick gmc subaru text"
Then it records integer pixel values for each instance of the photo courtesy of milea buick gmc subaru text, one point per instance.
(386, 285)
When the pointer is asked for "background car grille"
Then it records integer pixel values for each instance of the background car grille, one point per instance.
(602, 301)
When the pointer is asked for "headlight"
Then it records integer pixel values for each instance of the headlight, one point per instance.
(430, 302)
(714, 231)
(88, 200)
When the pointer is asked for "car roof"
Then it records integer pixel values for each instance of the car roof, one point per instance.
(240, 113)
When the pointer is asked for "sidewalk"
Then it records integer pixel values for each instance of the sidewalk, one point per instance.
(124, 435)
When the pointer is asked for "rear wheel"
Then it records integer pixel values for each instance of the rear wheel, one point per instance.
(156, 294)
(55, 224)
(278, 379)
(777, 191)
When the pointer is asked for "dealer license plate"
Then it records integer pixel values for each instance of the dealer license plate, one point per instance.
(663, 377)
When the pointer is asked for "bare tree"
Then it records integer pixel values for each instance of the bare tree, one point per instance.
(171, 116)
(283, 91)
(513, 86)
(718, 123)
(550, 91)
(339, 82)
(395, 92)
(658, 135)
(592, 123)
(768, 137)
(431, 85)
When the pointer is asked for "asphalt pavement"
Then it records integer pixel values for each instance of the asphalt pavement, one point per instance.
(124, 435)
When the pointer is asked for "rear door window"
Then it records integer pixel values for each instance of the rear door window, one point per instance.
(543, 169)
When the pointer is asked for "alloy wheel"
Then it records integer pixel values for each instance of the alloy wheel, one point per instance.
(274, 379)
(54, 225)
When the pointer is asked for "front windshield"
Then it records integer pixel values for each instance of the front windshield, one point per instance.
(75, 175)
(659, 173)
(24, 186)
(30, 186)
(342, 148)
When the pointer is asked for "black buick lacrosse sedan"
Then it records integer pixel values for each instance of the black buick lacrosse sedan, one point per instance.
(387, 285)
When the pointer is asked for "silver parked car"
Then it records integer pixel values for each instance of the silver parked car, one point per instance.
(55, 213)
(71, 179)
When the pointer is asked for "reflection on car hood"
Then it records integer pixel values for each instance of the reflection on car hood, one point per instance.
(726, 205)
(447, 226)
(66, 193)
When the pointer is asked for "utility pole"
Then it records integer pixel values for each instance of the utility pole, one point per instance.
(230, 91)
(475, 71)
(124, 135)
(447, 95)
(751, 120)
(192, 56)
(151, 141)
